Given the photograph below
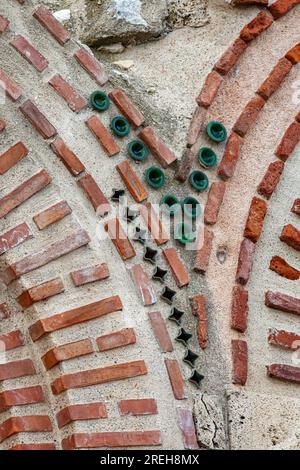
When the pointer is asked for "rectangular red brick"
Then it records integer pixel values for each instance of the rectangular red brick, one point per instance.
(271, 179)
(291, 236)
(75, 102)
(75, 316)
(178, 269)
(4, 23)
(275, 79)
(91, 65)
(46, 19)
(284, 339)
(14, 237)
(214, 202)
(138, 407)
(94, 194)
(283, 302)
(15, 369)
(288, 142)
(112, 439)
(127, 108)
(160, 330)
(12, 156)
(284, 269)
(185, 165)
(198, 306)
(41, 292)
(196, 125)
(256, 217)
(293, 55)
(132, 181)
(67, 156)
(17, 424)
(38, 120)
(249, 115)
(231, 155)
(24, 191)
(117, 339)
(21, 396)
(4, 312)
(90, 274)
(11, 340)
(98, 376)
(296, 207)
(66, 352)
(143, 285)
(245, 261)
(204, 247)
(9, 86)
(176, 380)
(159, 149)
(282, 7)
(120, 239)
(39, 446)
(49, 253)
(257, 26)
(239, 349)
(187, 426)
(81, 412)
(210, 89)
(231, 56)
(103, 136)
(252, 2)
(284, 372)
(32, 55)
(52, 214)
(239, 309)
(154, 224)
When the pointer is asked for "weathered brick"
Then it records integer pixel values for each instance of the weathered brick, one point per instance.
(205, 241)
(132, 181)
(41, 292)
(24, 191)
(120, 239)
(283, 302)
(160, 150)
(74, 100)
(46, 19)
(18, 424)
(282, 7)
(160, 330)
(256, 217)
(239, 309)
(32, 55)
(117, 339)
(127, 108)
(257, 26)
(15, 369)
(231, 56)
(154, 224)
(138, 407)
(99, 202)
(4, 23)
(2, 125)
(196, 125)
(178, 269)
(52, 214)
(231, 155)
(214, 202)
(87, 411)
(39, 446)
(143, 285)
(249, 115)
(281, 267)
(75, 316)
(91, 65)
(198, 306)
(21, 396)
(271, 179)
(66, 352)
(38, 120)
(293, 55)
(187, 426)
(98, 376)
(284, 372)
(90, 274)
(284, 339)
(289, 142)
(296, 207)
(210, 89)
(275, 79)
(176, 380)
(103, 136)
(12, 156)
(67, 156)
(11, 340)
(112, 439)
(4, 312)
(14, 237)
(239, 349)
(185, 165)
(246, 257)
(11, 89)
(291, 236)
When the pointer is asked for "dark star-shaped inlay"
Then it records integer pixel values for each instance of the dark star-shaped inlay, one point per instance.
(190, 357)
(183, 336)
(130, 215)
(196, 378)
(150, 254)
(176, 315)
(159, 274)
(117, 195)
(140, 235)
(168, 294)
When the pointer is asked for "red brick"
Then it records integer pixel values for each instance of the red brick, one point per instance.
(12, 156)
(11, 340)
(11, 89)
(2, 125)
(41, 258)
(256, 217)
(127, 108)
(19, 424)
(52, 214)
(66, 352)
(154, 224)
(185, 165)
(15, 369)
(4, 23)
(288, 142)
(160, 330)
(283, 302)
(103, 136)
(87, 411)
(284, 372)
(120, 239)
(138, 407)
(257, 26)
(296, 207)
(94, 194)
(132, 181)
(281, 267)
(41, 446)
(90, 274)
(198, 306)
(24, 191)
(178, 269)
(41, 292)
(249, 116)
(75, 102)
(32, 55)
(210, 89)
(271, 179)
(38, 120)
(246, 257)
(231, 56)
(228, 163)
(91, 65)
(14, 237)
(291, 236)
(4, 312)
(98, 376)
(239, 350)
(252, 2)
(204, 248)
(159, 149)
(239, 309)
(275, 79)
(67, 156)
(282, 7)
(214, 202)
(143, 285)
(117, 339)
(293, 54)
(46, 19)
(187, 426)
(75, 316)
(196, 125)
(284, 339)
(112, 439)
(176, 380)
(21, 396)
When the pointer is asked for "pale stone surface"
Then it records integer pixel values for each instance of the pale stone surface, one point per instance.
(210, 422)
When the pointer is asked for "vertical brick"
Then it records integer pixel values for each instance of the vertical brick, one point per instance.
(296, 207)
(103, 136)
(231, 155)
(177, 382)
(94, 194)
(198, 305)
(214, 202)
(11, 89)
(138, 407)
(15, 369)
(87, 411)
(154, 224)
(32, 55)
(21, 396)
(187, 426)
(160, 150)
(12, 156)
(275, 79)
(41, 292)
(239, 309)
(203, 252)
(112, 439)
(90, 274)
(231, 56)
(38, 120)
(239, 361)
(284, 339)
(120, 239)
(257, 26)
(210, 89)
(271, 179)
(245, 262)
(4, 23)
(66, 352)
(249, 115)
(282, 7)
(284, 372)
(196, 125)
(52, 214)
(14, 237)
(91, 66)
(160, 330)
(67, 156)
(127, 108)
(143, 285)
(288, 142)
(256, 217)
(46, 19)
(12, 340)
(18, 424)
(132, 181)
(185, 165)
(178, 269)
(117, 339)
(75, 102)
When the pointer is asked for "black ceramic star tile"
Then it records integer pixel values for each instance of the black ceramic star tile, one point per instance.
(168, 294)
(176, 315)
(140, 235)
(196, 378)
(190, 357)
(117, 195)
(150, 254)
(130, 215)
(183, 336)
(159, 274)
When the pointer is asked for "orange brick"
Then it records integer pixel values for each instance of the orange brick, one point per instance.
(94, 194)
(196, 126)
(120, 239)
(198, 305)
(41, 446)
(11, 89)
(21, 396)
(52, 214)
(275, 79)
(103, 136)
(91, 66)
(271, 179)
(185, 165)
(256, 217)
(296, 207)
(116, 340)
(210, 89)
(281, 267)
(177, 382)
(41, 292)
(294, 54)
(179, 271)
(291, 236)
(143, 285)
(282, 7)
(112, 439)
(127, 108)
(87, 411)
(90, 274)
(154, 224)
(66, 352)
(160, 330)
(15, 369)
(75, 102)
(231, 56)
(32, 55)
(11, 340)
(239, 309)
(203, 252)
(231, 155)
(288, 142)
(249, 115)
(38, 120)
(12, 156)
(14, 237)
(132, 181)
(284, 372)
(46, 19)
(239, 350)
(245, 262)
(214, 202)
(284, 339)
(160, 150)
(257, 26)
(138, 407)
(19, 424)
(67, 156)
